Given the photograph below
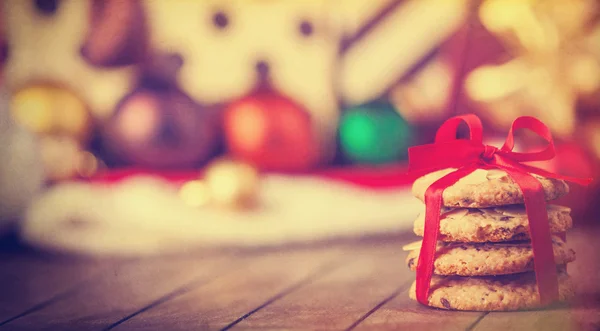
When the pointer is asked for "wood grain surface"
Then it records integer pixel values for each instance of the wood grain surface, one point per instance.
(357, 285)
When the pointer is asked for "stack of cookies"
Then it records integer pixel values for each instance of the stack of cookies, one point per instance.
(484, 259)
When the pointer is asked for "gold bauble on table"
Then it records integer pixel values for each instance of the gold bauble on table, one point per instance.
(232, 183)
(195, 193)
(227, 183)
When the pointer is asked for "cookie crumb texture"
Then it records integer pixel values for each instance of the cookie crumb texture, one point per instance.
(488, 259)
(502, 293)
(493, 224)
(486, 188)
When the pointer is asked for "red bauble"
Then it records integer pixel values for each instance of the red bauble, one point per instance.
(272, 132)
(161, 129)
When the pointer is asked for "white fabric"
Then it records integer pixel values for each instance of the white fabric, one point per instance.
(144, 215)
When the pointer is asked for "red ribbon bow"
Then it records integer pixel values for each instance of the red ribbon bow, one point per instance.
(469, 155)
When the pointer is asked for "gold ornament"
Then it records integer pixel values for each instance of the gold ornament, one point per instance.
(556, 61)
(63, 124)
(46, 109)
(226, 183)
(232, 183)
(195, 193)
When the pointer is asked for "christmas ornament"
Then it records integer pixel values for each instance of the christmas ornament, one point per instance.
(195, 193)
(161, 129)
(47, 109)
(222, 59)
(232, 184)
(555, 61)
(226, 183)
(271, 132)
(374, 133)
(63, 125)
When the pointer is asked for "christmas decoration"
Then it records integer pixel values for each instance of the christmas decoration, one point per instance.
(316, 53)
(271, 132)
(47, 109)
(232, 184)
(157, 91)
(161, 129)
(226, 183)
(374, 133)
(63, 124)
(195, 193)
(555, 61)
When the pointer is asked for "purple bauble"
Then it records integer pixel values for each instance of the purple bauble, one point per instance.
(161, 129)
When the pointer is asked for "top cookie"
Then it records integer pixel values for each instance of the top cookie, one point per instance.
(486, 188)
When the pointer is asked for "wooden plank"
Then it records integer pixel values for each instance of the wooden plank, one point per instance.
(30, 282)
(215, 305)
(122, 290)
(358, 285)
(338, 300)
(402, 313)
(547, 320)
(398, 312)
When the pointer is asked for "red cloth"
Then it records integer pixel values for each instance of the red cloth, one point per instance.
(375, 177)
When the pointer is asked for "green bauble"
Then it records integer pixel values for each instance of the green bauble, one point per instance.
(374, 133)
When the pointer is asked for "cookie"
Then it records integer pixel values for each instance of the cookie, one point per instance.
(490, 293)
(488, 259)
(492, 224)
(486, 188)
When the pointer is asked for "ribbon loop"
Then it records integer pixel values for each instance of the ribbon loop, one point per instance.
(448, 130)
(540, 129)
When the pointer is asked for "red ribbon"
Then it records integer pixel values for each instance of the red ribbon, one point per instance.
(470, 154)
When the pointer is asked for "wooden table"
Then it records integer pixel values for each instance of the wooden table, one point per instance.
(359, 285)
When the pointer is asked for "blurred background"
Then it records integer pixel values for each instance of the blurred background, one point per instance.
(308, 105)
